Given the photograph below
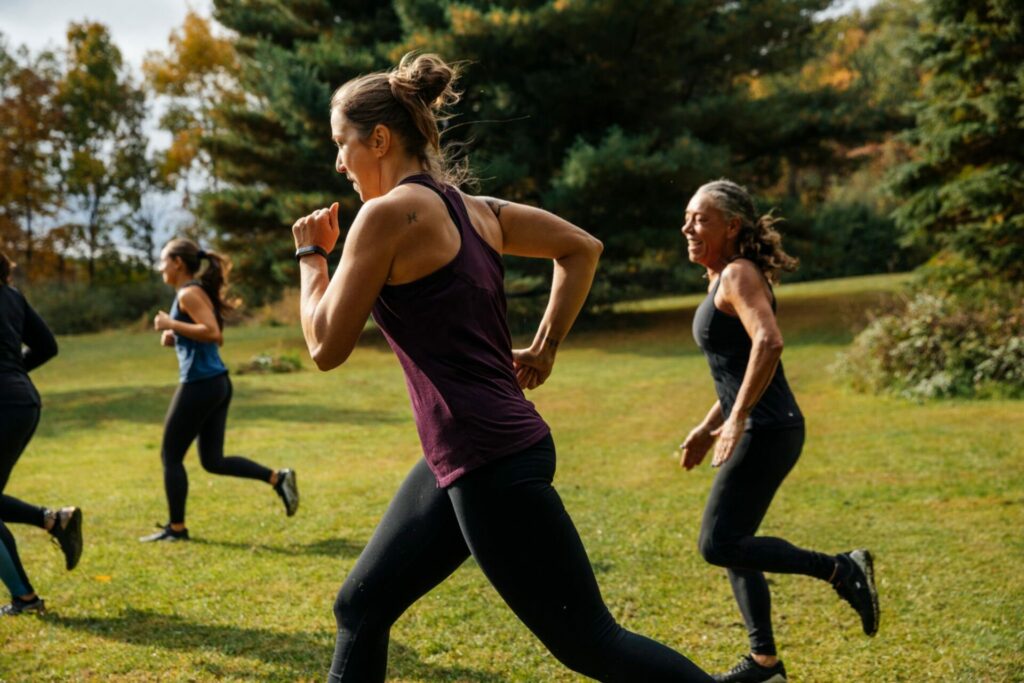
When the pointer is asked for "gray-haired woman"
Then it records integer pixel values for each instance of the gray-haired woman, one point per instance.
(758, 426)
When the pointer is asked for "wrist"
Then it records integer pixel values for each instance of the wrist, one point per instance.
(738, 416)
(547, 344)
(309, 250)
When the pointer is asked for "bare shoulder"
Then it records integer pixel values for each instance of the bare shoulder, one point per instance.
(492, 204)
(486, 214)
(383, 218)
(193, 297)
(744, 280)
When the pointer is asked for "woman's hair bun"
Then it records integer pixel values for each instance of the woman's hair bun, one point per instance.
(428, 76)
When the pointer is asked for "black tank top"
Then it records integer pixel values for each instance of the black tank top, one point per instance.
(726, 345)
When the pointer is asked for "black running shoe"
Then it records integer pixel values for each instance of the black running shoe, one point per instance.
(67, 533)
(288, 488)
(857, 587)
(749, 671)
(19, 606)
(166, 533)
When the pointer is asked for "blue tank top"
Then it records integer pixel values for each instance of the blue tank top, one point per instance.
(726, 345)
(451, 337)
(196, 360)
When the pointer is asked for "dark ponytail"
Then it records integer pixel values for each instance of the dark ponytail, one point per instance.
(213, 278)
(410, 100)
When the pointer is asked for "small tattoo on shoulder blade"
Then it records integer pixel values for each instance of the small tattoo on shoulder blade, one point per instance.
(411, 217)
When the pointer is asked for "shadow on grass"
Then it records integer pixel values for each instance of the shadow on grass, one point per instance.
(293, 655)
(328, 547)
(85, 408)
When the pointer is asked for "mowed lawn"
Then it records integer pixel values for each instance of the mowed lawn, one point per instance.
(935, 490)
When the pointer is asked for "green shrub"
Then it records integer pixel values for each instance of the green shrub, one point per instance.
(939, 344)
(843, 239)
(267, 363)
(75, 308)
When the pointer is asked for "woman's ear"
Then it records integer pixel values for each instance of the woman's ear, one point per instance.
(732, 231)
(380, 140)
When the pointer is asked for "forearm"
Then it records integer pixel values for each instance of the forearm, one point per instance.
(714, 419)
(570, 285)
(313, 284)
(764, 359)
(195, 331)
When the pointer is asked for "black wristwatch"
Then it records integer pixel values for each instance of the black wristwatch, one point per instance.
(311, 249)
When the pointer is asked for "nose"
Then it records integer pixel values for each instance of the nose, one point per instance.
(687, 228)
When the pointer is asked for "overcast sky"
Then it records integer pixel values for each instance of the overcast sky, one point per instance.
(136, 25)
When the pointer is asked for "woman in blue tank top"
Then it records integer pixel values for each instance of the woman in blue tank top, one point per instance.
(757, 424)
(425, 260)
(199, 409)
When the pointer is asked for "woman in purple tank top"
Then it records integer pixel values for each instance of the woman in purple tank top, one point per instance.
(425, 260)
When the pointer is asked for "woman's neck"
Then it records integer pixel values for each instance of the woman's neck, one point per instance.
(183, 280)
(393, 174)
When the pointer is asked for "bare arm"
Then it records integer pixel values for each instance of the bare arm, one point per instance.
(714, 419)
(749, 296)
(533, 232)
(198, 306)
(334, 310)
(700, 439)
(745, 291)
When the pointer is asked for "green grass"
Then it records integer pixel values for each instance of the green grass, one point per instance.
(936, 490)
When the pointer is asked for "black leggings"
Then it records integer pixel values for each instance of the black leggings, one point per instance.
(739, 499)
(17, 425)
(200, 409)
(509, 517)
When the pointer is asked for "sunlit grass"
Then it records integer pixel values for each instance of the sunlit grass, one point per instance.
(934, 489)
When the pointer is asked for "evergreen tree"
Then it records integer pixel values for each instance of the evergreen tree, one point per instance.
(964, 188)
(272, 150)
(606, 111)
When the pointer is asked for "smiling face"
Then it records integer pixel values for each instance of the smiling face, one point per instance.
(710, 234)
(356, 160)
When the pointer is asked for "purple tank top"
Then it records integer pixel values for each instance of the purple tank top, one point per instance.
(450, 334)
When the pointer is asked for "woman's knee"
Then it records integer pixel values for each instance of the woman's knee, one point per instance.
(352, 606)
(716, 550)
(213, 465)
(171, 459)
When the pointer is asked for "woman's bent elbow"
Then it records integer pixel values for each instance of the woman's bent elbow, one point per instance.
(771, 345)
(327, 361)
